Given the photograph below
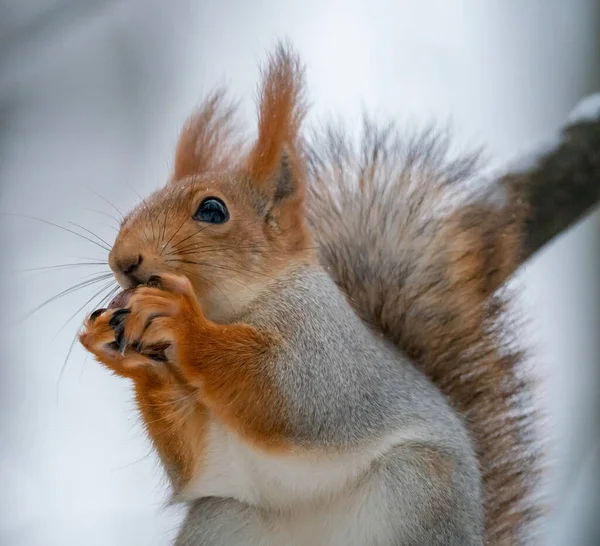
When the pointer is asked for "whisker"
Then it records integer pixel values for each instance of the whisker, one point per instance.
(67, 291)
(92, 233)
(94, 296)
(150, 215)
(99, 260)
(220, 247)
(225, 268)
(87, 355)
(174, 234)
(197, 232)
(104, 214)
(118, 468)
(116, 229)
(106, 201)
(200, 245)
(87, 276)
(48, 222)
(64, 266)
(204, 279)
(109, 296)
(162, 237)
(62, 369)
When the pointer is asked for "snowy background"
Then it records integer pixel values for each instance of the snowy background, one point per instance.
(92, 95)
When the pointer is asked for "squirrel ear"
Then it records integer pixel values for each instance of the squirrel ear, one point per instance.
(210, 138)
(273, 163)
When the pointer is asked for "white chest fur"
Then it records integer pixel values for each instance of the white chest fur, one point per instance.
(324, 499)
(233, 467)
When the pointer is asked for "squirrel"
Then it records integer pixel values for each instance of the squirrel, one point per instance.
(316, 333)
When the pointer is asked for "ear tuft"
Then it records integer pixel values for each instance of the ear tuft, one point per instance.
(273, 162)
(210, 138)
(287, 177)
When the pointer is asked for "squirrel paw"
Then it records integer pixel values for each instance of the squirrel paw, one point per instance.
(98, 337)
(160, 317)
(162, 313)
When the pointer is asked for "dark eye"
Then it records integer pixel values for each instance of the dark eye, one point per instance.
(212, 210)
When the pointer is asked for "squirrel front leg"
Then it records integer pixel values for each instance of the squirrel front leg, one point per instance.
(226, 364)
(173, 416)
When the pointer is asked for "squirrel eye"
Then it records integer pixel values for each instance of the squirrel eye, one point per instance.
(212, 210)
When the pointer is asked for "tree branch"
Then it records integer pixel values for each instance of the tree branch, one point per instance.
(560, 184)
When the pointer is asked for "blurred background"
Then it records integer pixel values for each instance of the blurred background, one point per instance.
(92, 96)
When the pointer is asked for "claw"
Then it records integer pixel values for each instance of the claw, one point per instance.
(96, 314)
(116, 323)
(157, 356)
(118, 317)
(121, 342)
(157, 351)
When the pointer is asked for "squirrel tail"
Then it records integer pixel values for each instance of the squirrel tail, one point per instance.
(421, 251)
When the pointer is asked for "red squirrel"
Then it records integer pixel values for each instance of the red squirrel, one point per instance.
(314, 332)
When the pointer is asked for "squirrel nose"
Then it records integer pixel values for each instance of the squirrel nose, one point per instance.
(128, 265)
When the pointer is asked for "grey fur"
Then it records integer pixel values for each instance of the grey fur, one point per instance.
(344, 385)
(347, 388)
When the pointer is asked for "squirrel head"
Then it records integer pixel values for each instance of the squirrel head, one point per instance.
(230, 218)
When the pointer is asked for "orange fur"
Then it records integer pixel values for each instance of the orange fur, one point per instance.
(221, 365)
(176, 421)
(281, 111)
(171, 412)
(209, 141)
(226, 363)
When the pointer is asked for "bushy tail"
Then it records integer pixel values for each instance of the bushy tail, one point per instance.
(422, 260)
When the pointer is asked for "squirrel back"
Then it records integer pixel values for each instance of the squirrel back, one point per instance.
(422, 260)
